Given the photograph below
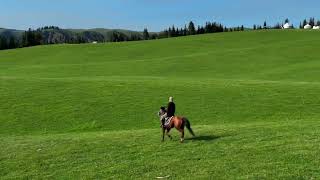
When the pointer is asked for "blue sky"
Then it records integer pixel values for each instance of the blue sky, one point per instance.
(153, 14)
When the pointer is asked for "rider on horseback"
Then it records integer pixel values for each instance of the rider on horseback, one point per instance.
(171, 108)
(168, 121)
(169, 113)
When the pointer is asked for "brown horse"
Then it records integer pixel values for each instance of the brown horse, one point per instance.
(177, 122)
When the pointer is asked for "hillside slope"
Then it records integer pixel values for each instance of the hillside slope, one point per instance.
(89, 111)
(147, 72)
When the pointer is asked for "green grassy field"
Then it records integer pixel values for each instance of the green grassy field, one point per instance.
(89, 111)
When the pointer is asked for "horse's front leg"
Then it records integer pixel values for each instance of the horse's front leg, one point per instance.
(163, 132)
(182, 136)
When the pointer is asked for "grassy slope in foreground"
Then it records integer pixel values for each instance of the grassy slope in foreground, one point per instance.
(252, 97)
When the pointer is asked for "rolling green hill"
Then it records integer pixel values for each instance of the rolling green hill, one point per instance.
(89, 111)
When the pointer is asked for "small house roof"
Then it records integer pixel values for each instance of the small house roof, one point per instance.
(287, 26)
(308, 26)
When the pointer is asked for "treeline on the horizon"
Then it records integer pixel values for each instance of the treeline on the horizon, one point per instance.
(55, 35)
(312, 22)
(44, 35)
(209, 27)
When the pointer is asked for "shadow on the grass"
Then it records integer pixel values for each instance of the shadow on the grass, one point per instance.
(204, 138)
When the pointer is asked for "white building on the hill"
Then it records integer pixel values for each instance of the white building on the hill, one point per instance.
(316, 27)
(287, 26)
(308, 26)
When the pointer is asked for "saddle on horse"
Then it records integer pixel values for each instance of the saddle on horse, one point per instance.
(167, 121)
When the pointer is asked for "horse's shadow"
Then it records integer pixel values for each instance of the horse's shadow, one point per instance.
(204, 138)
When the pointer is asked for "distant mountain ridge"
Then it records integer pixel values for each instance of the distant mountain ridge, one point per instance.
(10, 32)
(54, 35)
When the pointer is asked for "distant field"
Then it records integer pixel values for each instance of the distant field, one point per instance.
(89, 111)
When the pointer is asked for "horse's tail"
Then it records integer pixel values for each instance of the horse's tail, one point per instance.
(189, 126)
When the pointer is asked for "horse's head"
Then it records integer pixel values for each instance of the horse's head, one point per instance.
(162, 111)
(161, 114)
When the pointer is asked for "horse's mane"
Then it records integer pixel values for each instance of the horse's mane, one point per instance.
(163, 109)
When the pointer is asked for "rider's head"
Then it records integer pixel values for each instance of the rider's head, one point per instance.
(170, 99)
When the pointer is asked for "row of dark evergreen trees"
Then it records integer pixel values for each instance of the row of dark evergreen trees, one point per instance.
(175, 32)
(8, 43)
(209, 27)
(35, 37)
(29, 38)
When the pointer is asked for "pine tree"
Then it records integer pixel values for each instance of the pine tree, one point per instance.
(191, 29)
(198, 30)
(25, 39)
(213, 27)
(146, 34)
(173, 31)
(169, 32)
(311, 22)
(185, 30)
(177, 32)
(220, 29)
(304, 22)
(265, 25)
(207, 27)
(286, 21)
(181, 33)
(254, 27)
(242, 28)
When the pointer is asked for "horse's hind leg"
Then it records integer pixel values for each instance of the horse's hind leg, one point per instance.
(168, 130)
(182, 136)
